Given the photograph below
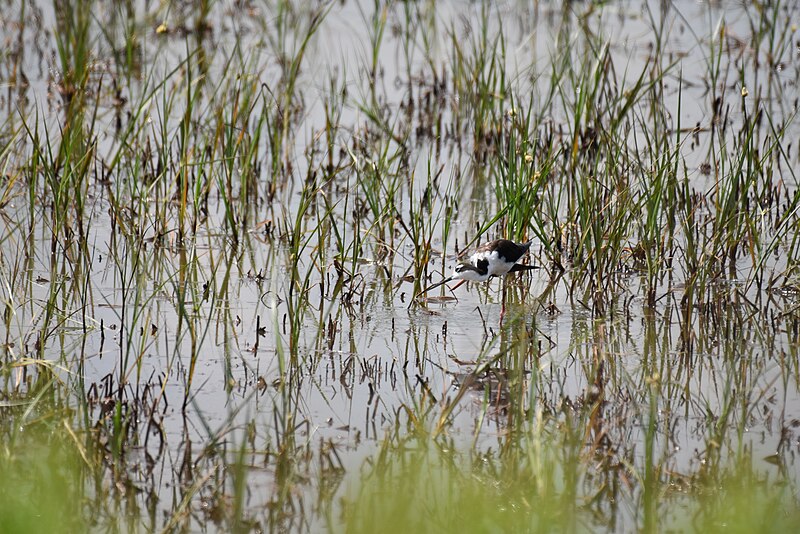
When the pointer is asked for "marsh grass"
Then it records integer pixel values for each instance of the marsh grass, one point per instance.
(215, 220)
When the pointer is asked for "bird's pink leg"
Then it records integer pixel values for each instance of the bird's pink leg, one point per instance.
(503, 304)
(459, 284)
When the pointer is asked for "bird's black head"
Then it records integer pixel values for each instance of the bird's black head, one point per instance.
(481, 268)
(464, 267)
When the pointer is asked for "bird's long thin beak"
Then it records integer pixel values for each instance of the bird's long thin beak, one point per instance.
(433, 286)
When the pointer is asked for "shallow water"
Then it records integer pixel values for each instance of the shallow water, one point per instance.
(163, 316)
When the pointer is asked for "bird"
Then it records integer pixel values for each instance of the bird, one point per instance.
(496, 258)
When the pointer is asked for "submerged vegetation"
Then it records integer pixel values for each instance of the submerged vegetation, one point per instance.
(216, 216)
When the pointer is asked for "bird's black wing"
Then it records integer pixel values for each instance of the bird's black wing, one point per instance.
(520, 267)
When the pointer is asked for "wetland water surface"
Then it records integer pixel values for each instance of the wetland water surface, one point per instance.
(217, 215)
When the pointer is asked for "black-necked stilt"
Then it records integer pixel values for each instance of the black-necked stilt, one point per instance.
(496, 258)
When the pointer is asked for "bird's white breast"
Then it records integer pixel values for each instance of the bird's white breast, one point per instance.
(497, 266)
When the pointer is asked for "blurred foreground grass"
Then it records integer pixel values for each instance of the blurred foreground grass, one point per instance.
(43, 478)
(425, 489)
